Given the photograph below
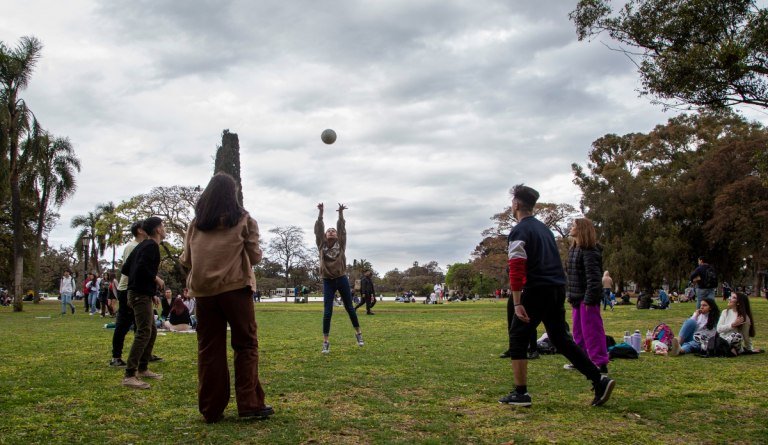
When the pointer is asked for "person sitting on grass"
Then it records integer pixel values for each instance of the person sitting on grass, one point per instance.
(735, 324)
(178, 317)
(663, 300)
(697, 329)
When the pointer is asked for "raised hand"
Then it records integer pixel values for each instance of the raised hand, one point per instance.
(320, 207)
(342, 207)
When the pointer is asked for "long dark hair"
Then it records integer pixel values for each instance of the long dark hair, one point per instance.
(178, 307)
(714, 313)
(218, 204)
(744, 310)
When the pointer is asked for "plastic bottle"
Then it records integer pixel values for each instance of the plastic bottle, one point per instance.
(627, 338)
(648, 340)
(637, 340)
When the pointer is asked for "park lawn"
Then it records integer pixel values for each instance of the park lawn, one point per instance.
(427, 374)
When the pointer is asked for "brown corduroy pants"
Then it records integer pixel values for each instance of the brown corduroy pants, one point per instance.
(213, 313)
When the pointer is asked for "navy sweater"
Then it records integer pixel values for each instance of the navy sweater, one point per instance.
(533, 256)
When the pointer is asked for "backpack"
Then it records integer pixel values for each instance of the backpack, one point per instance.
(717, 346)
(545, 346)
(622, 350)
(710, 278)
(664, 334)
(86, 287)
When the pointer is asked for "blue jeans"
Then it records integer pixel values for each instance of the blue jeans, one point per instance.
(330, 286)
(607, 298)
(687, 343)
(702, 294)
(66, 299)
(92, 298)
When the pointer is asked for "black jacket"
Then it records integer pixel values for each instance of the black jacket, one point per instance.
(366, 286)
(141, 267)
(585, 273)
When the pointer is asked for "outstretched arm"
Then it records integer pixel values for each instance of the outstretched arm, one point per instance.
(341, 228)
(319, 226)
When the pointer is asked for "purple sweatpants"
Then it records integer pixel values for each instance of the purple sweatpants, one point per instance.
(589, 334)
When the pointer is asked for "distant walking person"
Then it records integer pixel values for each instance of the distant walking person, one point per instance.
(141, 266)
(220, 248)
(607, 283)
(537, 281)
(332, 244)
(94, 286)
(705, 279)
(368, 293)
(124, 319)
(584, 292)
(66, 289)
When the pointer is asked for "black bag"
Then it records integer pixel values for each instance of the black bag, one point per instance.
(709, 280)
(717, 346)
(622, 350)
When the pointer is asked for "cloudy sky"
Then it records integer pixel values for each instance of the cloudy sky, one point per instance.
(440, 107)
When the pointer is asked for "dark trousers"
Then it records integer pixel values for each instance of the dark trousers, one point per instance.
(330, 286)
(123, 324)
(533, 335)
(368, 301)
(146, 333)
(545, 304)
(213, 313)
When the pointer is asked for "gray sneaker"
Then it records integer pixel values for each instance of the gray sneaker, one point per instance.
(326, 347)
(359, 338)
(135, 383)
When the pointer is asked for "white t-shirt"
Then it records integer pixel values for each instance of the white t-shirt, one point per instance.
(67, 285)
(123, 284)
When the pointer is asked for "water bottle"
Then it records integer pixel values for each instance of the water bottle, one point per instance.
(627, 338)
(636, 340)
(648, 340)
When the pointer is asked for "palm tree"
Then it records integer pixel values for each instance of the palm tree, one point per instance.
(16, 66)
(50, 167)
(87, 225)
(110, 229)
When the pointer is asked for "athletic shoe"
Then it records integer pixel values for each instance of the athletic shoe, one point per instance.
(675, 349)
(370, 313)
(506, 354)
(533, 355)
(603, 389)
(569, 367)
(258, 414)
(149, 375)
(359, 338)
(117, 362)
(326, 347)
(516, 399)
(73, 310)
(135, 383)
(154, 358)
(604, 369)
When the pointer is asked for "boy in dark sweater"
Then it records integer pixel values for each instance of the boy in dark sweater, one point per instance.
(537, 281)
(141, 267)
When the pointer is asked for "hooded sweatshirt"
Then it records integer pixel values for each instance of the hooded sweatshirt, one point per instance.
(220, 259)
(333, 260)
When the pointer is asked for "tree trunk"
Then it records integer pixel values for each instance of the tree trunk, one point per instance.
(39, 243)
(113, 259)
(18, 242)
(757, 283)
(176, 264)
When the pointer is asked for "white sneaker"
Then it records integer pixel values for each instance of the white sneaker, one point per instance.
(359, 338)
(326, 347)
(149, 375)
(569, 367)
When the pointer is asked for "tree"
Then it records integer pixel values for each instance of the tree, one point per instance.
(701, 53)
(460, 276)
(111, 230)
(16, 66)
(87, 224)
(228, 160)
(50, 167)
(287, 247)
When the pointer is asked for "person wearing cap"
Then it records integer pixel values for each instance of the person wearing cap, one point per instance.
(537, 281)
(331, 245)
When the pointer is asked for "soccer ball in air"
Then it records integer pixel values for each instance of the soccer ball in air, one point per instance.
(328, 136)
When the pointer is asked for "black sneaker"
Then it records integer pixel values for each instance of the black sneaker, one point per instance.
(603, 389)
(533, 355)
(258, 414)
(117, 362)
(516, 399)
(154, 358)
(506, 354)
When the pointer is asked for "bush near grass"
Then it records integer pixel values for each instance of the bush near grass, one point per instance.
(427, 374)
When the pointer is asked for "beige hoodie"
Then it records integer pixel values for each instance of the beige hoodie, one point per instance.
(333, 260)
(220, 260)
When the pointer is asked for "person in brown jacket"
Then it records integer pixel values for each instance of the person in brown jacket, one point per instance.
(332, 244)
(220, 246)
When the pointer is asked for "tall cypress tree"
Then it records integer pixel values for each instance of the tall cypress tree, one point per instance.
(228, 159)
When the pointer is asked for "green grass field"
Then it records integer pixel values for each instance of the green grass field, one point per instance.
(427, 374)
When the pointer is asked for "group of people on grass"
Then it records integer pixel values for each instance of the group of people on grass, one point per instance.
(222, 244)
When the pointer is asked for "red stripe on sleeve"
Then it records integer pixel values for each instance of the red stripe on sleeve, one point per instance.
(517, 273)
